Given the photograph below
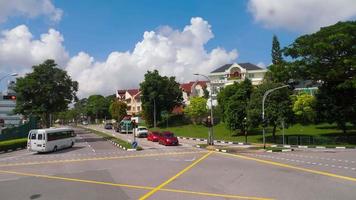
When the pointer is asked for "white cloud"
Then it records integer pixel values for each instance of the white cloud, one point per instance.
(19, 51)
(172, 52)
(29, 8)
(301, 15)
(179, 53)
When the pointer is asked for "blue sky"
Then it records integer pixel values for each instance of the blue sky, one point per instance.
(99, 41)
(100, 27)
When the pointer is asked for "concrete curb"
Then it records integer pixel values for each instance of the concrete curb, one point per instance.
(114, 143)
(280, 150)
(11, 150)
(312, 147)
(215, 141)
(218, 150)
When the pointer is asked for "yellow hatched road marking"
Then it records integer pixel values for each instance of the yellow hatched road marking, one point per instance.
(174, 177)
(98, 158)
(291, 167)
(132, 186)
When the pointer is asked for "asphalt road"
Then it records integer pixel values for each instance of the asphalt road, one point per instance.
(95, 169)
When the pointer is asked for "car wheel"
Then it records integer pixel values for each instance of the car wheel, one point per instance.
(55, 149)
(71, 145)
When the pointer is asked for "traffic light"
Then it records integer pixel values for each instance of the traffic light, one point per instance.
(207, 122)
(9, 97)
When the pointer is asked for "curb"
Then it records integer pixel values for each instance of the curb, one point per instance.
(312, 147)
(280, 150)
(11, 150)
(218, 150)
(215, 141)
(116, 144)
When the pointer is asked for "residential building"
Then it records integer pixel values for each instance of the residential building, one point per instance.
(236, 72)
(132, 97)
(193, 88)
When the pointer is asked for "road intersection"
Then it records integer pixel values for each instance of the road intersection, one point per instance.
(182, 172)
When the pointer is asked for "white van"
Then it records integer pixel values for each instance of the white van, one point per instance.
(53, 139)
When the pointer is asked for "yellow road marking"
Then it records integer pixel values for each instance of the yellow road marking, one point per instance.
(76, 180)
(131, 186)
(174, 177)
(98, 158)
(292, 167)
(214, 195)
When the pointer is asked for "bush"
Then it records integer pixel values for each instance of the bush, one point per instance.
(13, 144)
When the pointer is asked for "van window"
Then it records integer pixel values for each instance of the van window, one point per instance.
(39, 137)
(33, 136)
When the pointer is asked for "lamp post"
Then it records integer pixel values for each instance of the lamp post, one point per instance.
(263, 110)
(211, 132)
(3, 77)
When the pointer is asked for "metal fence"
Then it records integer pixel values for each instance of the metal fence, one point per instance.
(313, 140)
(18, 132)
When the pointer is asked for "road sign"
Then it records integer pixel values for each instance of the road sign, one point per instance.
(134, 144)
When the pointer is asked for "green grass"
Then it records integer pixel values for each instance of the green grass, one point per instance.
(321, 131)
(13, 144)
(123, 143)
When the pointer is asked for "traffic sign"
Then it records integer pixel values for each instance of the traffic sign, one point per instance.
(134, 144)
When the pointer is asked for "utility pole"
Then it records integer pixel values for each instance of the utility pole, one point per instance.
(154, 112)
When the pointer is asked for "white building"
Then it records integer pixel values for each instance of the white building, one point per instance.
(236, 72)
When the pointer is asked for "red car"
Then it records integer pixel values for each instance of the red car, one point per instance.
(167, 138)
(153, 136)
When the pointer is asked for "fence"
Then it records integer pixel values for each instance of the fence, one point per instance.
(18, 132)
(313, 140)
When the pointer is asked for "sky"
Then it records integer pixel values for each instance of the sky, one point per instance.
(110, 45)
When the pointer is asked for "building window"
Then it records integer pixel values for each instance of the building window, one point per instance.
(138, 108)
(251, 75)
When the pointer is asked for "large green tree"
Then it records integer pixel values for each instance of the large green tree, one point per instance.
(328, 57)
(197, 109)
(118, 110)
(97, 107)
(278, 106)
(234, 103)
(46, 90)
(162, 91)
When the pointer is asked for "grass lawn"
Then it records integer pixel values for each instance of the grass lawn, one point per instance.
(255, 136)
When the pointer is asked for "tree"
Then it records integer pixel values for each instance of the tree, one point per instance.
(46, 90)
(276, 51)
(196, 109)
(97, 106)
(304, 108)
(162, 91)
(278, 106)
(235, 110)
(118, 110)
(278, 71)
(328, 57)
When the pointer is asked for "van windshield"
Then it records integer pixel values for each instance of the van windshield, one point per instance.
(33, 136)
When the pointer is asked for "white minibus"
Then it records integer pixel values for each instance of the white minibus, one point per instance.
(53, 139)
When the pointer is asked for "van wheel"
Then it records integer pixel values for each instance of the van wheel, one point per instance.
(55, 149)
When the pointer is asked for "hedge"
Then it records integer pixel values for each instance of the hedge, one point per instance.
(13, 144)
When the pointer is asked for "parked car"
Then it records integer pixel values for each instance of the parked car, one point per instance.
(141, 131)
(153, 136)
(85, 122)
(108, 126)
(168, 138)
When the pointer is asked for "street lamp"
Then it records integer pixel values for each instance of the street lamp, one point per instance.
(211, 132)
(3, 77)
(263, 110)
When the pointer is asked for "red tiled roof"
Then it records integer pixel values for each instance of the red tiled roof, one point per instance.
(133, 92)
(187, 87)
